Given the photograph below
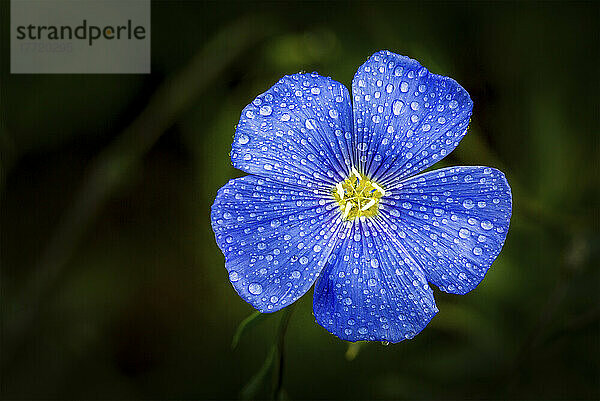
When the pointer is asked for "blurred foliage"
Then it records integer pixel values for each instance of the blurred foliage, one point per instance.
(138, 304)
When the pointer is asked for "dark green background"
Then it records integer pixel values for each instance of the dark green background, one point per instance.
(113, 286)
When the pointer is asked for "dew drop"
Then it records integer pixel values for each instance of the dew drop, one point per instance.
(243, 139)
(266, 110)
(255, 288)
(468, 204)
(234, 276)
(486, 225)
(397, 107)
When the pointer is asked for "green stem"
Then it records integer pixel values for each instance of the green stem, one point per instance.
(280, 352)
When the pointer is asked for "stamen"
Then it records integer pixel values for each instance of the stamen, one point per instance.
(347, 211)
(368, 205)
(377, 187)
(357, 196)
(340, 190)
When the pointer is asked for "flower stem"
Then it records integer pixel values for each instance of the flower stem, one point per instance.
(280, 352)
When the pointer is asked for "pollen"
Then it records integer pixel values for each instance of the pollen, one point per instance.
(357, 196)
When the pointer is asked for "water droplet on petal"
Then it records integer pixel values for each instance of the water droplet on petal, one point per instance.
(255, 288)
(486, 225)
(265, 110)
(397, 107)
(468, 204)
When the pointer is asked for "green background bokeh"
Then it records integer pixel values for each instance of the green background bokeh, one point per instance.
(113, 286)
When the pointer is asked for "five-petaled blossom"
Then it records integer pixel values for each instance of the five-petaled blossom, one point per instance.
(332, 197)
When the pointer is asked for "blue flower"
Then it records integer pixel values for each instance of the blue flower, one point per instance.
(332, 198)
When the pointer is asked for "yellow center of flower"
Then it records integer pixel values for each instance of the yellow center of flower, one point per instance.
(357, 196)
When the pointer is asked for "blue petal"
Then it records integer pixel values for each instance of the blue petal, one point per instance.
(275, 239)
(453, 222)
(370, 288)
(405, 117)
(296, 132)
